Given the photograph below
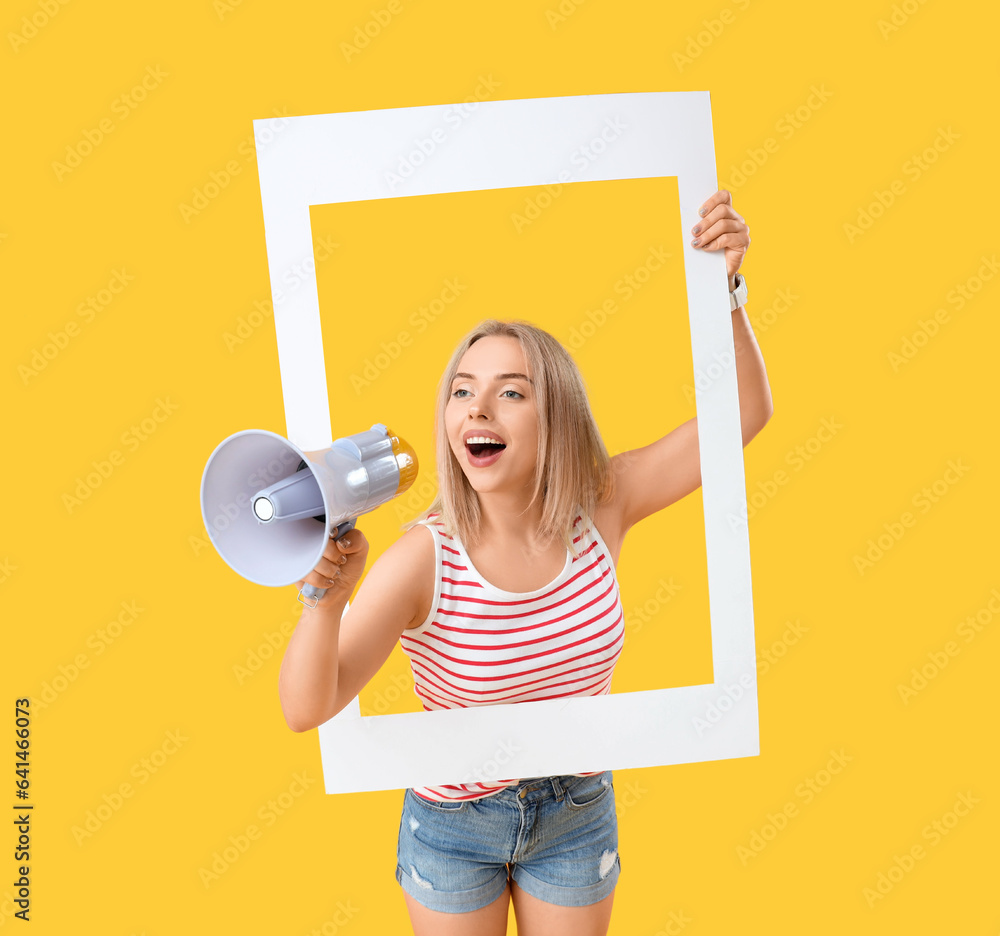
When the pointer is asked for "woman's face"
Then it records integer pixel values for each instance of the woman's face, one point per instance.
(492, 398)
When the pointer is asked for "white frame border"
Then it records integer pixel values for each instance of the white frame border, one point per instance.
(327, 158)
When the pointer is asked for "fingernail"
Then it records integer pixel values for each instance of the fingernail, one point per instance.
(346, 542)
(696, 229)
(703, 211)
(694, 243)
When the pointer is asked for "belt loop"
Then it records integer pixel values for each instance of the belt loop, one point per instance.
(557, 788)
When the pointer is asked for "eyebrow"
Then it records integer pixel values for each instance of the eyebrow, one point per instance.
(500, 377)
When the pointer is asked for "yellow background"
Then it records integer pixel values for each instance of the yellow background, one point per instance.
(829, 305)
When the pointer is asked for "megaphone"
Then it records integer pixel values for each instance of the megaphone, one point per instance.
(270, 508)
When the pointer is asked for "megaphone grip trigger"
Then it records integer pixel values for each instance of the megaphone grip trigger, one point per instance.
(342, 528)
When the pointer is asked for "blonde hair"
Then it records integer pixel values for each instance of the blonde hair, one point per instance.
(575, 465)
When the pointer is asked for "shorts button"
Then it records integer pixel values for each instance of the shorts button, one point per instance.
(523, 793)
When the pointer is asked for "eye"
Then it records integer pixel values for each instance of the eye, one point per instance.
(512, 391)
(458, 391)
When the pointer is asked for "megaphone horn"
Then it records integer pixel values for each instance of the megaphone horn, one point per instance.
(261, 498)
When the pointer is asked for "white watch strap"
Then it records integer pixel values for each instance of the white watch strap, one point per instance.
(738, 296)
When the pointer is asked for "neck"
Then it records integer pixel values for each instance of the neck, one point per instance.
(507, 518)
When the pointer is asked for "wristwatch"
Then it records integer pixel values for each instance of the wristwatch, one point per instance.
(738, 296)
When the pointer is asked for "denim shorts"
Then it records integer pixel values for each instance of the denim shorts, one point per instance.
(556, 837)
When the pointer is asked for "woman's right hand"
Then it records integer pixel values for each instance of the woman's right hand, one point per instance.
(341, 567)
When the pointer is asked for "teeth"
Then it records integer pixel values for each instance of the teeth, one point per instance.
(482, 440)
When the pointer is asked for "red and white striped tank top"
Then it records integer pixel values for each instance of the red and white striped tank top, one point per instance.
(480, 645)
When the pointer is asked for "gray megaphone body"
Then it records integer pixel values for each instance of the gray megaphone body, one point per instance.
(270, 508)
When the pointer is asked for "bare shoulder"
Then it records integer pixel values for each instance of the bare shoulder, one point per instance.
(408, 564)
(609, 518)
(646, 480)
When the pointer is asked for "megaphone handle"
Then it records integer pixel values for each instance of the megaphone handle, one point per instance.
(312, 591)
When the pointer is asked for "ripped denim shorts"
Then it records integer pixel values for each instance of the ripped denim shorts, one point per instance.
(556, 837)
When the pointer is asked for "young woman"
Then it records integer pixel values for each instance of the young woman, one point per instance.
(504, 590)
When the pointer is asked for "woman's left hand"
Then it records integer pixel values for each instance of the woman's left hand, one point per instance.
(721, 227)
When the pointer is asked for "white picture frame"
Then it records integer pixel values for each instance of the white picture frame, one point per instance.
(329, 158)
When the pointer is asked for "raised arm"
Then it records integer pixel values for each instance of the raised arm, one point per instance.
(657, 475)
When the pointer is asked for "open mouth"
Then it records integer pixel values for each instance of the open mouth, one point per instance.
(482, 454)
